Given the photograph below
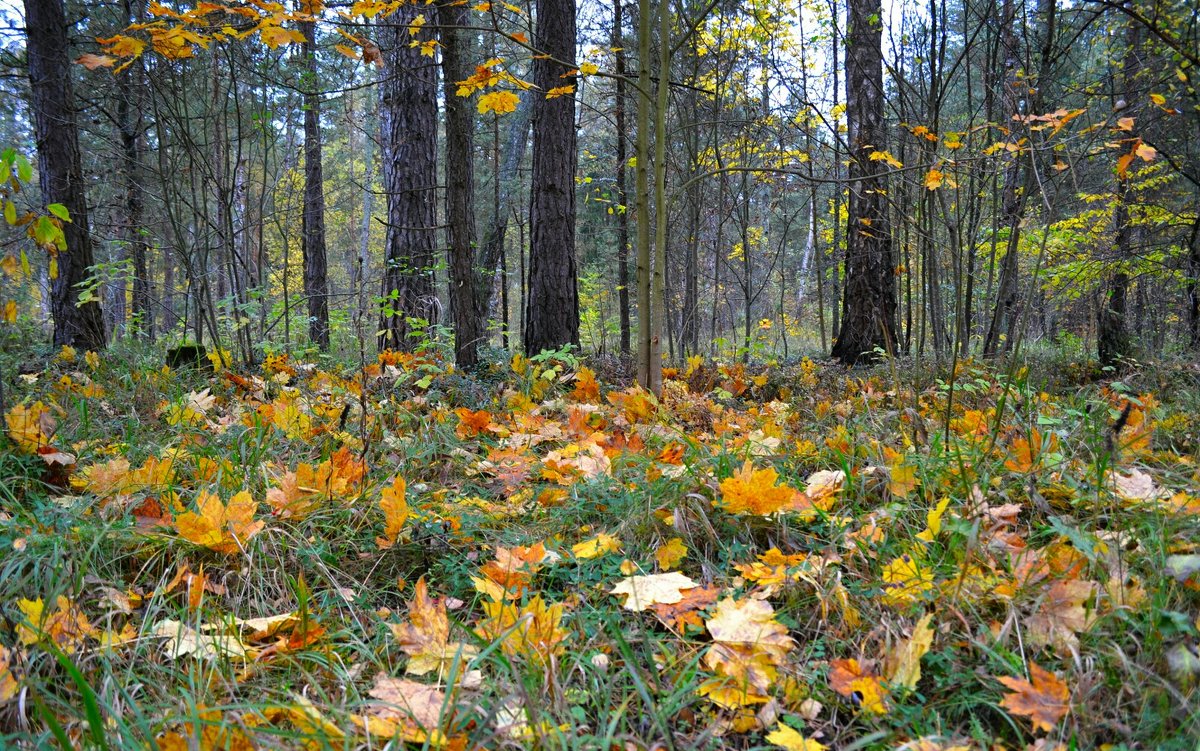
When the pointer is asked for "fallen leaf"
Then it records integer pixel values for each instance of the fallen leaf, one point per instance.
(866, 690)
(903, 665)
(643, 592)
(670, 553)
(787, 738)
(1045, 700)
(425, 636)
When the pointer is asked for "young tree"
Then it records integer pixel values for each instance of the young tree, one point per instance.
(869, 300)
(408, 110)
(552, 305)
(61, 172)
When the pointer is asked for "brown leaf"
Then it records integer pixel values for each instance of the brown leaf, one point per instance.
(1045, 701)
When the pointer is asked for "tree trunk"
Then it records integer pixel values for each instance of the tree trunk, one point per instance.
(130, 84)
(408, 111)
(552, 312)
(61, 172)
(316, 286)
(869, 301)
(1112, 333)
(460, 187)
(621, 199)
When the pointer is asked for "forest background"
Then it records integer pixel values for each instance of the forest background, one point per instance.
(505, 401)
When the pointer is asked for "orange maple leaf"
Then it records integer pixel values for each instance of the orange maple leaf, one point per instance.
(395, 512)
(471, 424)
(853, 681)
(220, 527)
(1045, 701)
(754, 491)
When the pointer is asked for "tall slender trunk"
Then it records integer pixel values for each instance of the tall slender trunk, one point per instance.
(460, 187)
(621, 198)
(1112, 332)
(316, 285)
(60, 172)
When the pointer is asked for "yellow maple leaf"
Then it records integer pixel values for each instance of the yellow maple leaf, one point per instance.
(66, 626)
(934, 179)
(220, 527)
(789, 739)
(589, 69)
(499, 102)
(425, 636)
(558, 91)
(670, 553)
(274, 36)
(395, 512)
(30, 427)
(533, 630)
(883, 156)
(933, 521)
(905, 581)
(601, 544)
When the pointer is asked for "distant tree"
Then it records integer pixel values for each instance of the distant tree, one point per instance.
(61, 172)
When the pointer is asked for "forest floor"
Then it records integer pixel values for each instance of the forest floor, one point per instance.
(353, 555)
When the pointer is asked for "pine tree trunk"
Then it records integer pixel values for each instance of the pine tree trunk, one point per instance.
(408, 111)
(61, 172)
(460, 187)
(552, 304)
(316, 285)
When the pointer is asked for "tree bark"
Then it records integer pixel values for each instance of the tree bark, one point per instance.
(869, 301)
(460, 187)
(408, 111)
(621, 198)
(316, 285)
(552, 312)
(61, 172)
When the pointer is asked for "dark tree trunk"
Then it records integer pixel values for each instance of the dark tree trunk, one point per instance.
(409, 114)
(316, 285)
(61, 172)
(552, 307)
(460, 187)
(869, 301)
